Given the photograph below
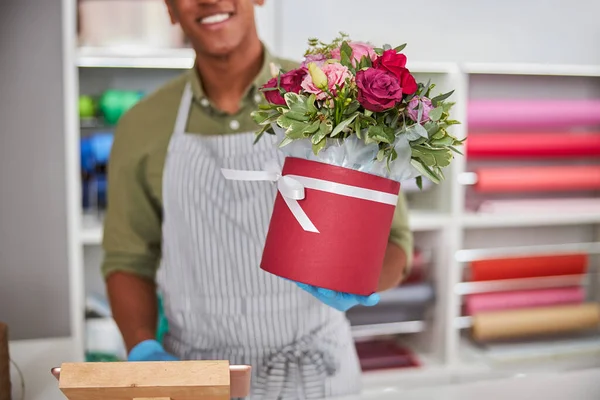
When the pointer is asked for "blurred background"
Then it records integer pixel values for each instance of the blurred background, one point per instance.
(505, 278)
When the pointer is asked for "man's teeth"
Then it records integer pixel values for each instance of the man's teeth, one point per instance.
(215, 19)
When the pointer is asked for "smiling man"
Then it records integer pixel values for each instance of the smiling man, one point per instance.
(173, 220)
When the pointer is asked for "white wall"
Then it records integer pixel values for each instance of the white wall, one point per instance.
(524, 31)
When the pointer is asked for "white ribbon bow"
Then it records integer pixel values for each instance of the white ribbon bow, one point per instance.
(292, 188)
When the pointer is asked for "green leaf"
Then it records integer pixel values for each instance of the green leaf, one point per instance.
(425, 157)
(296, 130)
(260, 116)
(319, 146)
(342, 125)
(443, 141)
(295, 102)
(447, 106)
(310, 105)
(325, 128)
(416, 131)
(312, 128)
(454, 149)
(380, 155)
(285, 122)
(387, 47)
(345, 61)
(346, 49)
(425, 170)
(285, 142)
(436, 113)
(297, 116)
(368, 113)
(441, 156)
(419, 180)
(381, 134)
(352, 107)
(400, 48)
(378, 51)
(441, 133)
(440, 98)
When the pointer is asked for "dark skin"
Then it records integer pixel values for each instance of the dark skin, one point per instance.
(229, 56)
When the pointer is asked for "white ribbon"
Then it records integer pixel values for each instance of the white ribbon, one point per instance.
(292, 188)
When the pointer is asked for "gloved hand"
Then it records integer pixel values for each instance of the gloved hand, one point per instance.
(150, 350)
(339, 300)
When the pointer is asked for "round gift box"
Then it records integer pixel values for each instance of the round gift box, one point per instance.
(347, 253)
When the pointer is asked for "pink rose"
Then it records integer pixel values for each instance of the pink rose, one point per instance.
(336, 76)
(318, 59)
(377, 90)
(290, 82)
(396, 64)
(359, 50)
(413, 108)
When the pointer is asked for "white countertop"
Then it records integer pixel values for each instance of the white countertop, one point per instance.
(573, 385)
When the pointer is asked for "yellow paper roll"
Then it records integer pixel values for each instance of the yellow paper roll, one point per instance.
(522, 323)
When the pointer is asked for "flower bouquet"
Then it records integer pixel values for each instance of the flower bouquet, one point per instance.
(353, 123)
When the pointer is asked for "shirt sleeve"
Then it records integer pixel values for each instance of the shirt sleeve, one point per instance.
(401, 234)
(132, 226)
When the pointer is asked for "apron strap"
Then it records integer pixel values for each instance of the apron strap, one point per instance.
(184, 110)
(314, 365)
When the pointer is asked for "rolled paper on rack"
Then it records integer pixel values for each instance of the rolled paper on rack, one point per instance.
(484, 302)
(540, 206)
(538, 145)
(528, 267)
(5, 386)
(381, 354)
(417, 293)
(531, 322)
(532, 179)
(533, 114)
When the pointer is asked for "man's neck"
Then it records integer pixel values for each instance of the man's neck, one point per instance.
(226, 79)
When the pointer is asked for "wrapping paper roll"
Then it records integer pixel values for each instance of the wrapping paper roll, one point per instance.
(412, 294)
(5, 386)
(477, 303)
(540, 206)
(531, 179)
(383, 354)
(528, 267)
(524, 323)
(539, 145)
(538, 114)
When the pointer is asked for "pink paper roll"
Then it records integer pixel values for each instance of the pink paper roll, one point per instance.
(532, 179)
(533, 113)
(477, 303)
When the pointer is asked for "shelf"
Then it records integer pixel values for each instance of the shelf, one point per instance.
(547, 282)
(427, 221)
(394, 328)
(91, 231)
(90, 57)
(531, 69)
(468, 255)
(481, 220)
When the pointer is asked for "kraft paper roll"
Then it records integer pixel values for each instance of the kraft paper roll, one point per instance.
(533, 145)
(5, 387)
(484, 302)
(531, 322)
(528, 267)
(538, 114)
(532, 179)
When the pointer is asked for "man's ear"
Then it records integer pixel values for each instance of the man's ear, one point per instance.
(259, 2)
(169, 4)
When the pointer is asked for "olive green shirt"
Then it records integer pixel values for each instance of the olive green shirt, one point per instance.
(132, 227)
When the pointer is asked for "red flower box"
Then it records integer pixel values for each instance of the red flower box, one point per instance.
(347, 253)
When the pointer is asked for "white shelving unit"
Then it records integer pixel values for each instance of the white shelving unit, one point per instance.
(438, 216)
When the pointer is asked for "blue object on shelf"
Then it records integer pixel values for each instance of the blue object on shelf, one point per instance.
(95, 153)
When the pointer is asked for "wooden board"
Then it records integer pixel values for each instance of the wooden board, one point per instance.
(181, 380)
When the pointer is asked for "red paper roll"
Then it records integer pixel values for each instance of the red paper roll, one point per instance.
(538, 145)
(531, 179)
(347, 254)
(528, 267)
(482, 302)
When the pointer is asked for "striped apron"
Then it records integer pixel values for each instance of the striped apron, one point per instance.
(218, 302)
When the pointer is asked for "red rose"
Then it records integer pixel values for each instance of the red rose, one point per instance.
(290, 82)
(396, 64)
(378, 90)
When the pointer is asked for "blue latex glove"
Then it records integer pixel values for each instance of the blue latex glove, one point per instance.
(338, 300)
(150, 350)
